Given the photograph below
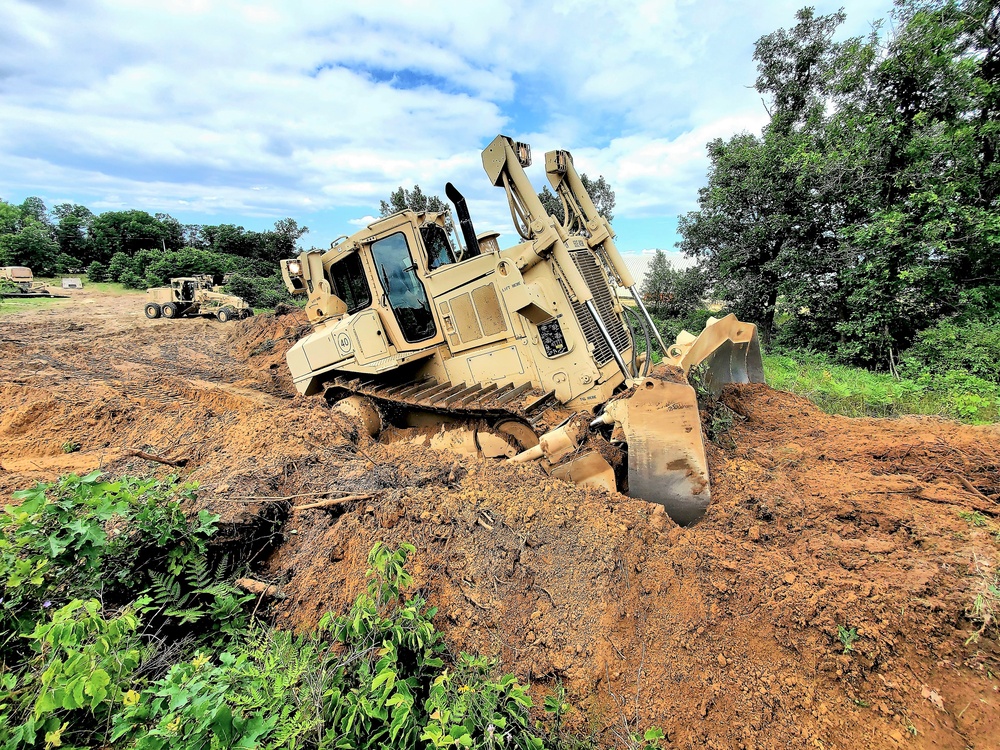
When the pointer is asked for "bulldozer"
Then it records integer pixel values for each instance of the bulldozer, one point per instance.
(194, 295)
(424, 330)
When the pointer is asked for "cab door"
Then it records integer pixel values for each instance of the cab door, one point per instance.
(399, 269)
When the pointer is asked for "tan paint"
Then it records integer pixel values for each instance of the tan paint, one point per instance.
(521, 316)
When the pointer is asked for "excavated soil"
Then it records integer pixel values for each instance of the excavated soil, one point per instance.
(724, 633)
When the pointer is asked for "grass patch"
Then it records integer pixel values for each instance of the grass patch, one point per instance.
(104, 287)
(111, 287)
(11, 305)
(854, 392)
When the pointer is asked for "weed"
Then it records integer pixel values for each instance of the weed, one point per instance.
(70, 447)
(973, 518)
(847, 637)
(985, 607)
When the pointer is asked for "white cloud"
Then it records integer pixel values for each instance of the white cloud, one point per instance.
(225, 108)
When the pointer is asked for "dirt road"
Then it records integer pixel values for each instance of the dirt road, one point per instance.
(822, 602)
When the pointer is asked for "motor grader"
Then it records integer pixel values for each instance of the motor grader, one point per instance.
(194, 295)
(425, 328)
(19, 281)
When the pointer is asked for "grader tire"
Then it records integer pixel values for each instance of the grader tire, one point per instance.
(170, 310)
(225, 314)
(152, 311)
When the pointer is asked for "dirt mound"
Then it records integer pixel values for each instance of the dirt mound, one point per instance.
(819, 526)
(824, 532)
(262, 341)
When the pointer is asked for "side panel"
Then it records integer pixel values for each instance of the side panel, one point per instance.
(472, 316)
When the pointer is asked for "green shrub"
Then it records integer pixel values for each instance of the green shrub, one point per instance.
(97, 272)
(469, 709)
(89, 673)
(118, 265)
(953, 344)
(161, 267)
(131, 535)
(132, 280)
(76, 676)
(65, 263)
(269, 291)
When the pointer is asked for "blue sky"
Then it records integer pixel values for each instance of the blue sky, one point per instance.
(247, 112)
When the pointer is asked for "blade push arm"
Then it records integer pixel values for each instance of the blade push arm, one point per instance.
(504, 161)
(580, 208)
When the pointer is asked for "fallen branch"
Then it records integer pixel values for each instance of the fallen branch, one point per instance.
(970, 501)
(972, 488)
(273, 498)
(331, 501)
(258, 587)
(158, 459)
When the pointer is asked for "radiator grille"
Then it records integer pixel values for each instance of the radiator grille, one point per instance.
(587, 265)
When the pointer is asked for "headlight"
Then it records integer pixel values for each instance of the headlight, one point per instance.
(294, 268)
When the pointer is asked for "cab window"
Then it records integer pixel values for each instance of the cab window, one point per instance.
(349, 283)
(406, 295)
(439, 250)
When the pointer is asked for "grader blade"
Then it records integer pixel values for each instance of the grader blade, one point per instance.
(727, 351)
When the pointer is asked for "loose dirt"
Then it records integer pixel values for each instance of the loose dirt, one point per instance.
(727, 634)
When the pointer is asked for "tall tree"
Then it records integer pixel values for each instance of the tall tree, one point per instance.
(34, 207)
(672, 292)
(129, 232)
(599, 190)
(761, 228)
(73, 223)
(402, 199)
(32, 246)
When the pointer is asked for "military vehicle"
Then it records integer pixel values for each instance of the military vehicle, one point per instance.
(194, 295)
(18, 281)
(525, 352)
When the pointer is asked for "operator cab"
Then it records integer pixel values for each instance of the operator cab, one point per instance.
(386, 266)
(183, 289)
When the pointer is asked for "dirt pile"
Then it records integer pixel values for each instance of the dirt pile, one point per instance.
(823, 533)
(262, 342)
(727, 633)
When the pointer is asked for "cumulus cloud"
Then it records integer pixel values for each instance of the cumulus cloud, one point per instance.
(221, 109)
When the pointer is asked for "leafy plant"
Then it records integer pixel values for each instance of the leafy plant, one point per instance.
(70, 447)
(470, 710)
(63, 536)
(76, 675)
(847, 637)
(973, 518)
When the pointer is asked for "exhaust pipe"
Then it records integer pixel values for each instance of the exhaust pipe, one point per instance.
(464, 220)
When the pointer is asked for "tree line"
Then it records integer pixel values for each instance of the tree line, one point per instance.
(863, 221)
(141, 250)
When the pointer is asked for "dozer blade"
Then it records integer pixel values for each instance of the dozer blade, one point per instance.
(728, 350)
(666, 452)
